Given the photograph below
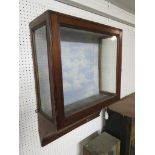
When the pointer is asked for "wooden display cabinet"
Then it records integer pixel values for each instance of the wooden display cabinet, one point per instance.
(77, 67)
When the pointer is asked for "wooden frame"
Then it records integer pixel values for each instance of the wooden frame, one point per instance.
(50, 129)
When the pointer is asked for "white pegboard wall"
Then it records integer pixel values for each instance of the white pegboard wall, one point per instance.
(29, 137)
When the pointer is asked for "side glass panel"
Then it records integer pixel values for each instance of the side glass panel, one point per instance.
(43, 72)
(108, 64)
(88, 68)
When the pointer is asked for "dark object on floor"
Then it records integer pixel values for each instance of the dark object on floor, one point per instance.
(121, 123)
(104, 144)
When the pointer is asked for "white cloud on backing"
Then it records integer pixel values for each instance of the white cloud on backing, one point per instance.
(67, 85)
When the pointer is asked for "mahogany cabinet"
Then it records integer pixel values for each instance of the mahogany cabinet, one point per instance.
(77, 67)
